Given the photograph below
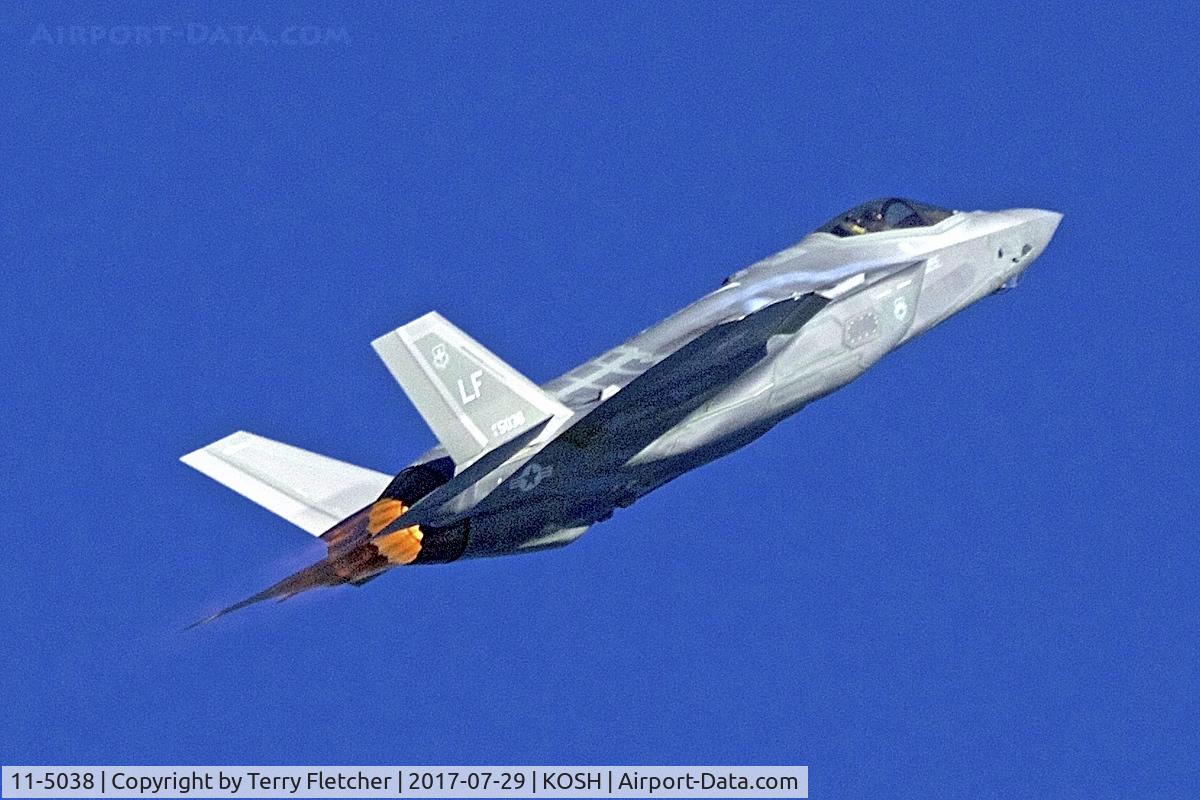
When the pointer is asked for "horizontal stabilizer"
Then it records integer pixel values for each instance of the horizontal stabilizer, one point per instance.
(471, 399)
(311, 491)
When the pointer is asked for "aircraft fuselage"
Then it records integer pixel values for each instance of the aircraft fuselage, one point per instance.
(522, 468)
(883, 290)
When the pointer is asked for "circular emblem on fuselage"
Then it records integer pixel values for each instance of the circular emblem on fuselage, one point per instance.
(862, 329)
(532, 475)
(900, 308)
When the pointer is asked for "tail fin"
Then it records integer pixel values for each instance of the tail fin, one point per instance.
(471, 399)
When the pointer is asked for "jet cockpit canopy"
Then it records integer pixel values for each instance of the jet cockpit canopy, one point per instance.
(884, 215)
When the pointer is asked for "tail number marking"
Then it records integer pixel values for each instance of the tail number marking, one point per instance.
(508, 424)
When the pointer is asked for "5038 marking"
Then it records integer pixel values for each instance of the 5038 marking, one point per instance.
(508, 424)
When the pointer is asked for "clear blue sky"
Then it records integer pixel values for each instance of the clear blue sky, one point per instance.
(971, 573)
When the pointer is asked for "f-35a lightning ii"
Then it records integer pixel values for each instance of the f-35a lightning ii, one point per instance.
(522, 468)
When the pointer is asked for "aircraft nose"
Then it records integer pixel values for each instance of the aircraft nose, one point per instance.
(1023, 241)
(1037, 227)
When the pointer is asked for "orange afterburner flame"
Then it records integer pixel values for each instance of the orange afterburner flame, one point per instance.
(383, 513)
(398, 547)
(402, 546)
(350, 559)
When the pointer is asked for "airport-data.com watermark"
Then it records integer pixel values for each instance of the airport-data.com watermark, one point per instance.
(200, 34)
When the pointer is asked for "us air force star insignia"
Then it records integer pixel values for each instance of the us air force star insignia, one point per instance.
(440, 357)
(532, 475)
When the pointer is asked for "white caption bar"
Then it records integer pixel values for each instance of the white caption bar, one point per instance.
(502, 782)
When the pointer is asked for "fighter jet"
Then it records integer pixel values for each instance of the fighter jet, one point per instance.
(522, 468)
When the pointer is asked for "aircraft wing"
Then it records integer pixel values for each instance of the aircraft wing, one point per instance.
(682, 381)
(620, 427)
(311, 491)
